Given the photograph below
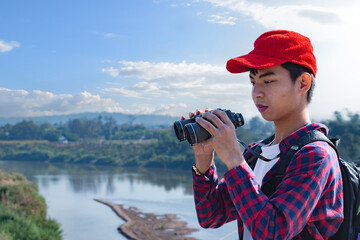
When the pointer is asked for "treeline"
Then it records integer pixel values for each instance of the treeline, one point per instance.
(73, 130)
(347, 129)
(102, 141)
(100, 128)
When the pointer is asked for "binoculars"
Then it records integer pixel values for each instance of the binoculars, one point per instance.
(191, 131)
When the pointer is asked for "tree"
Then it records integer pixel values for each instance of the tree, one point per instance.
(24, 130)
(108, 127)
(52, 135)
(85, 128)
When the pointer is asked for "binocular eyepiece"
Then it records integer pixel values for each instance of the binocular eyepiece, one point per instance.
(191, 131)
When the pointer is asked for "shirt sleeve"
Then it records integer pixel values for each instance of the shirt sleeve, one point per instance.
(306, 194)
(214, 205)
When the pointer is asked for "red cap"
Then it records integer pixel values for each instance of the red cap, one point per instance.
(274, 48)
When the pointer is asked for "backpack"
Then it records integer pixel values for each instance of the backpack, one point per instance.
(350, 227)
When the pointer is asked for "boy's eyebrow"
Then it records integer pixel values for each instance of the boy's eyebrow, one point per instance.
(263, 75)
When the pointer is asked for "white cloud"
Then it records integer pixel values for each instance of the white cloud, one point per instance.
(8, 46)
(121, 92)
(151, 71)
(182, 4)
(111, 71)
(108, 35)
(308, 18)
(162, 109)
(222, 20)
(323, 17)
(334, 32)
(196, 85)
(21, 103)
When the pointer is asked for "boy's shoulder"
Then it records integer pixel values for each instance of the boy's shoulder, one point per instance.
(290, 140)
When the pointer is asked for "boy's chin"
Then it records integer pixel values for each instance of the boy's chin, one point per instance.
(267, 117)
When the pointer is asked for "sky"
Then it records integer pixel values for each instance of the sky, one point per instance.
(163, 57)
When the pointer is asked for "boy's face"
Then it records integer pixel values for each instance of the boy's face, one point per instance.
(275, 94)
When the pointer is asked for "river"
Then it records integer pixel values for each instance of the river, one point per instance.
(69, 191)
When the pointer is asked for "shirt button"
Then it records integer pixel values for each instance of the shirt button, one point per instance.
(283, 144)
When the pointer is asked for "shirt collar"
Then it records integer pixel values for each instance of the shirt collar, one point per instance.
(287, 142)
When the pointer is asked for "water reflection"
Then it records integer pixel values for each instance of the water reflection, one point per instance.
(69, 191)
(90, 179)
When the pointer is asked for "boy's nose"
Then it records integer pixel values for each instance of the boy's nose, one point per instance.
(257, 92)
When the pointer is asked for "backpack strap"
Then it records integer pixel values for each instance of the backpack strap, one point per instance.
(270, 187)
(256, 150)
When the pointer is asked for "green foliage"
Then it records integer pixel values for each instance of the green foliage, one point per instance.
(347, 129)
(31, 155)
(16, 227)
(23, 211)
(23, 198)
(101, 141)
(5, 236)
(52, 135)
(25, 130)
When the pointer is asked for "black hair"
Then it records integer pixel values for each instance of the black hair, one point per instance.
(295, 71)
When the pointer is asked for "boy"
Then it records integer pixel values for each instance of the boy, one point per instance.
(308, 203)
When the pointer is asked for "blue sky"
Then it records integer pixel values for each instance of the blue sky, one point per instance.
(162, 56)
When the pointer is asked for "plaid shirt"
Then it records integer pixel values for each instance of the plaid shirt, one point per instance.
(310, 194)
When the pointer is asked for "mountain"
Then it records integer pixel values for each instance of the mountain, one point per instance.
(147, 120)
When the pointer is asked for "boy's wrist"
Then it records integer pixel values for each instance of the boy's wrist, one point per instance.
(234, 162)
(196, 170)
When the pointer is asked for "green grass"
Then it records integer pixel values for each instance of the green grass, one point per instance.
(23, 211)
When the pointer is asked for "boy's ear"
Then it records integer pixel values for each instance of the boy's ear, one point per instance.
(305, 82)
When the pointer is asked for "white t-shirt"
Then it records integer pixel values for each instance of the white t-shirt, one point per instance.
(260, 170)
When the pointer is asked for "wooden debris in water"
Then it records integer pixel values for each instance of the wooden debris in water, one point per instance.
(148, 226)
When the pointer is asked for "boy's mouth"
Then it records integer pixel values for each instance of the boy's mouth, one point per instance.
(261, 108)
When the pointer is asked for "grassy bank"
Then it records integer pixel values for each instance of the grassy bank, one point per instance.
(23, 211)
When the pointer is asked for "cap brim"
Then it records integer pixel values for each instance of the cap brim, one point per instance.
(254, 61)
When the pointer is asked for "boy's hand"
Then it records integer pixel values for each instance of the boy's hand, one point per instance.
(223, 140)
(204, 152)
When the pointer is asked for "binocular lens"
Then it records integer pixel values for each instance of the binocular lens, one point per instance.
(195, 133)
(179, 128)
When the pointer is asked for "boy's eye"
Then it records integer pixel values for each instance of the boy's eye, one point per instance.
(268, 81)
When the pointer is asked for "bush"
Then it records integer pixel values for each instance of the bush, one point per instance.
(105, 161)
(5, 236)
(61, 158)
(23, 198)
(17, 227)
(86, 159)
(23, 211)
(32, 156)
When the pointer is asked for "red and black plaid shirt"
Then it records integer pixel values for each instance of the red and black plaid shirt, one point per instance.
(310, 194)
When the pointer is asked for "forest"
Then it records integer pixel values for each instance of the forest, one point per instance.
(101, 141)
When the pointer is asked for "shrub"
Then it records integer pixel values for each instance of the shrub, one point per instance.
(23, 211)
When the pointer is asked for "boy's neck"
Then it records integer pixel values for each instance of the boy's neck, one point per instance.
(284, 128)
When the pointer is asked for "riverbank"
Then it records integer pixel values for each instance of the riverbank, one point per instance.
(148, 226)
(23, 211)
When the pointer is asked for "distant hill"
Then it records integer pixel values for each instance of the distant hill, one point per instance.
(147, 120)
